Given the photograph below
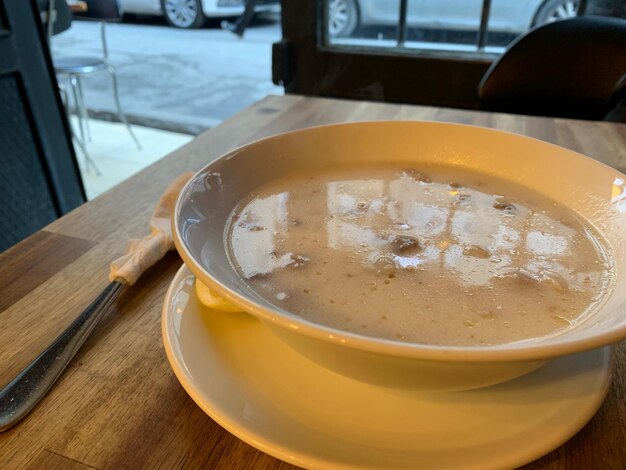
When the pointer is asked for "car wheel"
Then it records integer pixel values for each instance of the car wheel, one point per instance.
(343, 17)
(553, 10)
(183, 13)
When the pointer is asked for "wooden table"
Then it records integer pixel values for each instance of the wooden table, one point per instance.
(119, 405)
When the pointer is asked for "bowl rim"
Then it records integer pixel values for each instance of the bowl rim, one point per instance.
(525, 350)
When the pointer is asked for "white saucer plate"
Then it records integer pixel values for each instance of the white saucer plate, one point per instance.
(282, 403)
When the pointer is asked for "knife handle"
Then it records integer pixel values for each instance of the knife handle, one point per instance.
(21, 394)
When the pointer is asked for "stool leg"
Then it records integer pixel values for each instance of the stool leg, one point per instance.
(81, 125)
(83, 107)
(88, 160)
(120, 114)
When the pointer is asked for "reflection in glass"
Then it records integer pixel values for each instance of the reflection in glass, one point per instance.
(509, 19)
(477, 27)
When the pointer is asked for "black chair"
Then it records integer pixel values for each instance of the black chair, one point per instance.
(573, 68)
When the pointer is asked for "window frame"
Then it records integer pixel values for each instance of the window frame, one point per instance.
(305, 64)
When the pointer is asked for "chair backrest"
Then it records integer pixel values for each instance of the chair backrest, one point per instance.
(60, 14)
(570, 68)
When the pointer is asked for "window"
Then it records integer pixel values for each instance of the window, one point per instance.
(408, 51)
(445, 28)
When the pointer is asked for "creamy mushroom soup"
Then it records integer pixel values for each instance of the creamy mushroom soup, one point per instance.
(425, 255)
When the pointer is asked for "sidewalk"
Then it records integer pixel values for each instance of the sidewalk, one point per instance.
(116, 155)
(175, 79)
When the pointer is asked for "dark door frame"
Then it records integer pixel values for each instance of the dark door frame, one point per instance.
(39, 174)
(25, 55)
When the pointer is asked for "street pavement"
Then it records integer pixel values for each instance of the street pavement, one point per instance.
(180, 80)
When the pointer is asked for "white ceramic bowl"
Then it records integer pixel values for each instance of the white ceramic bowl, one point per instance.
(593, 190)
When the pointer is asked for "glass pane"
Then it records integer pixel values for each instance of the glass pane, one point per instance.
(510, 18)
(449, 25)
(174, 80)
(363, 22)
(431, 25)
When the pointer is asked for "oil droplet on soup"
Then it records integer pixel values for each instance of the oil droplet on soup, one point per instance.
(419, 255)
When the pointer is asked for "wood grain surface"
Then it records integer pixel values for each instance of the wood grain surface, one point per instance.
(119, 404)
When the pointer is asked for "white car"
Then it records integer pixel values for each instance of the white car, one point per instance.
(192, 13)
(511, 16)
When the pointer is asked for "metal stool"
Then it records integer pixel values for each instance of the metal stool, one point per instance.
(76, 67)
